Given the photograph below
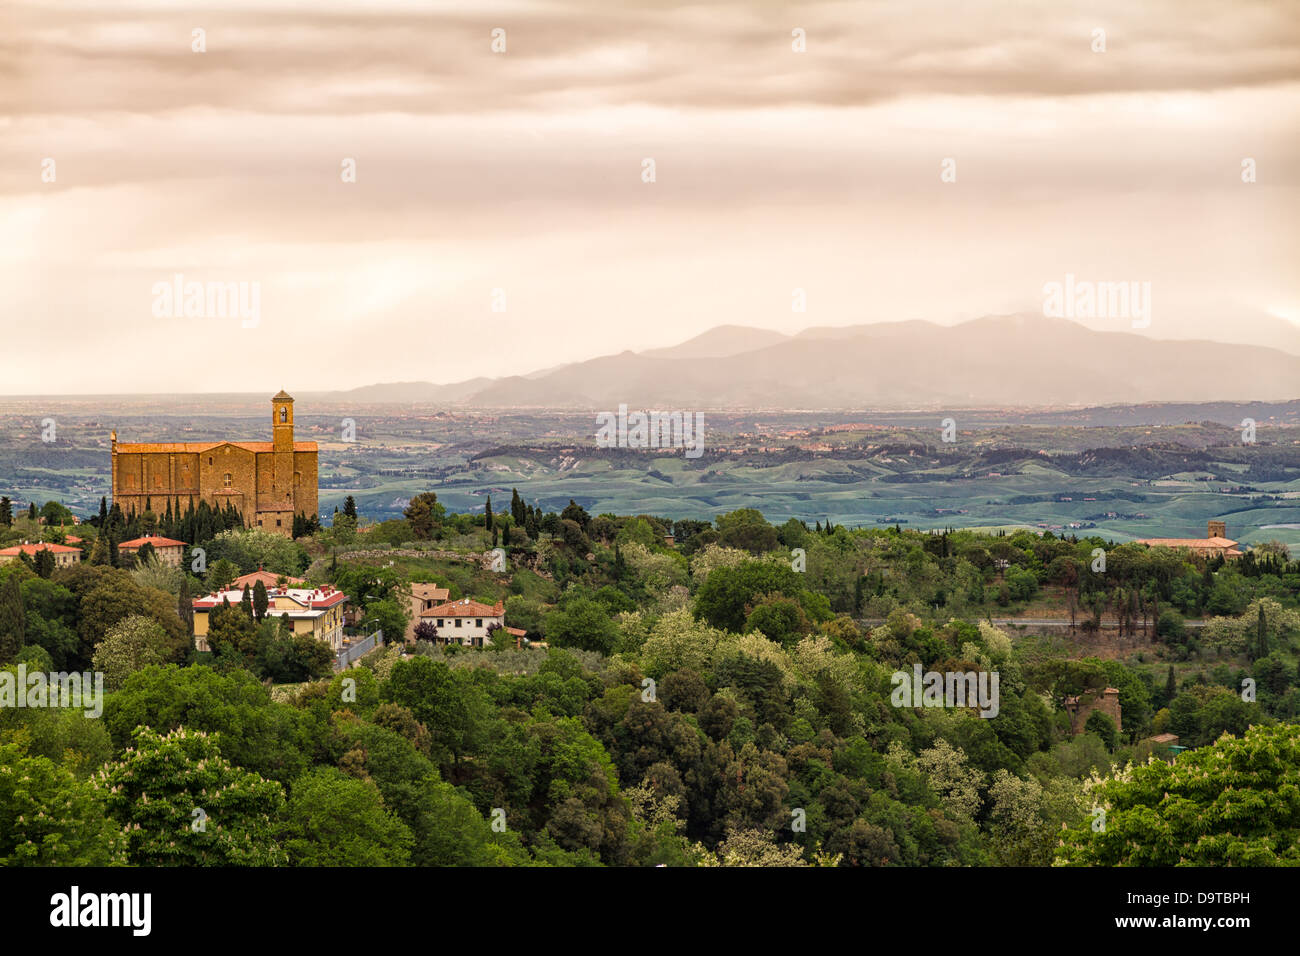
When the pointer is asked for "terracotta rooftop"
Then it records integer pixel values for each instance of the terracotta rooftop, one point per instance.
(140, 448)
(30, 549)
(428, 592)
(155, 540)
(465, 608)
(1198, 543)
(267, 578)
(313, 598)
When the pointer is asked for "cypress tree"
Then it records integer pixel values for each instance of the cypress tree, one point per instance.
(13, 623)
(487, 514)
(184, 607)
(246, 602)
(44, 562)
(1171, 685)
(1261, 634)
(31, 511)
(260, 602)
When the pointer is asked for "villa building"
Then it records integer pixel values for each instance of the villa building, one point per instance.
(169, 550)
(64, 556)
(314, 611)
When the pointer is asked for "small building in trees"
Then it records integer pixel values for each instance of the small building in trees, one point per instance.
(169, 550)
(64, 556)
(1081, 707)
(1216, 543)
(423, 597)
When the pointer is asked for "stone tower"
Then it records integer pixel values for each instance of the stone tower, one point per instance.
(1217, 529)
(282, 449)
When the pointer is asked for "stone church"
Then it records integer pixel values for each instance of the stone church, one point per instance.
(267, 482)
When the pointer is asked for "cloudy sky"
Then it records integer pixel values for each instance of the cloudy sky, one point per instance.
(516, 177)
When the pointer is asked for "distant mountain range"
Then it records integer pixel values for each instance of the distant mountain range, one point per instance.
(1011, 360)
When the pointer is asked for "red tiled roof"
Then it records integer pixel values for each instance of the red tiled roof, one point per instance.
(516, 631)
(428, 592)
(315, 598)
(31, 549)
(155, 540)
(266, 577)
(1188, 542)
(465, 608)
(139, 448)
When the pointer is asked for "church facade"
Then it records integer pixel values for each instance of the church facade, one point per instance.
(267, 482)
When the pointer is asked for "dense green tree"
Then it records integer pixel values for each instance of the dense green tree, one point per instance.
(133, 643)
(426, 514)
(183, 804)
(335, 820)
(13, 621)
(1230, 804)
(50, 818)
(584, 624)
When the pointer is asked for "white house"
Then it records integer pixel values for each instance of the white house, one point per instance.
(466, 622)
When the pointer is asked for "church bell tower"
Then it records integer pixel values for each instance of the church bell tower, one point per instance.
(282, 447)
(282, 422)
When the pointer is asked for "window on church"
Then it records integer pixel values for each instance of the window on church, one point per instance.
(284, 414)
(227, 480)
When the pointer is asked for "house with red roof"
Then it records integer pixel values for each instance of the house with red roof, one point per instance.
(64, 556)
(314, 611)
(169, 550)
(466, 622)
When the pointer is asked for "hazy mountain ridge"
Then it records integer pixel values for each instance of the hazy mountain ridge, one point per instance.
(1018, 360)
(1022, 360)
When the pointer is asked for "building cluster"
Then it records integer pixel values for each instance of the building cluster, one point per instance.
(314, 611)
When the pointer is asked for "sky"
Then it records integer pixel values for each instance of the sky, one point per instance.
(500, 219)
